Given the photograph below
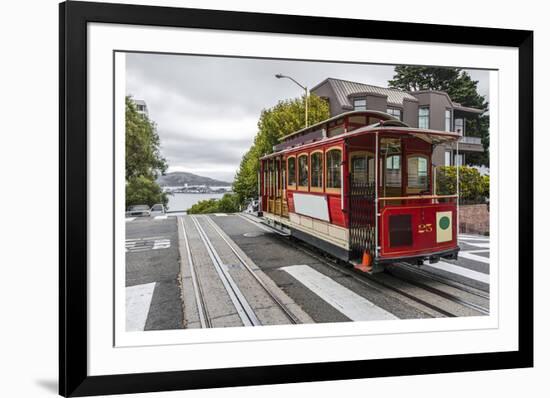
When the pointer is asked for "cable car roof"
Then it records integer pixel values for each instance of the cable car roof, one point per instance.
(393, 127)
(381, 115)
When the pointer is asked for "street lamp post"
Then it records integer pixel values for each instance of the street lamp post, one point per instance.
(280, 76)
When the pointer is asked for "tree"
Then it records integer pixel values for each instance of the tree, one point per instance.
(284, 118)
(460, 87)
(144, 191)
(144, 162)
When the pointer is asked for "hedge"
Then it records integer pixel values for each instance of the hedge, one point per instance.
(474, 187)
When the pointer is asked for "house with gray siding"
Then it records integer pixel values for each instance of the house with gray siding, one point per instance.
(426, 109)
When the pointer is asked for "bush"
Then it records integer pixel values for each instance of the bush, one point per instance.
(229, 203)
(474, 188)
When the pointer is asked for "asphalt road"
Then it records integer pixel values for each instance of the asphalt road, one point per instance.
(152, 269)
(321, 291)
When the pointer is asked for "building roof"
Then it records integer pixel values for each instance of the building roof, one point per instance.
(344, 89)
(456, 106)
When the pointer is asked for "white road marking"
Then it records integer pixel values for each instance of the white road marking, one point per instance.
(161, 244)
(474, 237)
(138, 301)
(143, 244)
(455, 269)
(128, 219)
(161, 217)
(220, 214)
(479, 244)
(474, 257)
(350, 304)
(476, 251)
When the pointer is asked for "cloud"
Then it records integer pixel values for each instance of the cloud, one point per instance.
(207, 108)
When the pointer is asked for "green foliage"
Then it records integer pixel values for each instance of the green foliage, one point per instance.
(454, 81)
(460, 87)
(144, 162)
(474, 188)
(144, 191)
(229, 203)
(284, 118)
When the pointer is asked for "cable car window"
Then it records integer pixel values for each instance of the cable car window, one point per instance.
(362, 167)
(292, 172)
(393, 171)
(278, 178)
(317, 170)
(334, 160)
(302, 171)
(417, 171)
(390, 150)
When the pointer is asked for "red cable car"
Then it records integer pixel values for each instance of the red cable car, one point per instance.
(361, 186)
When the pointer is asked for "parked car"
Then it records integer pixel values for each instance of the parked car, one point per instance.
(138, 211)
(158, 210)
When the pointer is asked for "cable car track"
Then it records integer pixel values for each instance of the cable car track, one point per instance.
(448, 282)
(239, 301)
(244, 310)
(204, 317)
(363, 278)
(442, 293)
(367, 280)
(291, 317)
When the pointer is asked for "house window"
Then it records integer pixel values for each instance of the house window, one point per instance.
(448, 158)
(395, 112)
(424, 117)
(302, 171)
(459, 126)
(459, 160)
(359, 104)
(317, 170)
(448, 120)
(292, 172)
(334, 160)
(417, 171)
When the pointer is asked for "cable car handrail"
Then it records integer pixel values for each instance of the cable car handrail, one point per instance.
(418, 197)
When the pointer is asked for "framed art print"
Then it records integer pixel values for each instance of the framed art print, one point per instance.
(258, 198)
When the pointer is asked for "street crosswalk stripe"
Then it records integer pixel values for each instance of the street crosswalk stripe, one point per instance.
(483, 245)
(455, 269)
(138, 301)
(471, 237)
(139, 245)
(349, 303)
(128, 219)
(161, 217)
(474, 257)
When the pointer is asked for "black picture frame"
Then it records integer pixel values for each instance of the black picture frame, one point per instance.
(74, 17)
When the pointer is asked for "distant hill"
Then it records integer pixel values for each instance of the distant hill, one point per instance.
(180, 178)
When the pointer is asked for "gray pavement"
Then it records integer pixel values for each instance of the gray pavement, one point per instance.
(273, 253)
(152, 258)
(312, 289)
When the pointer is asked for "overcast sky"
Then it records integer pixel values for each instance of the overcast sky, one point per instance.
(207, 108)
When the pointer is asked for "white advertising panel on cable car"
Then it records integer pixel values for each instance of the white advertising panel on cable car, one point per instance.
(315, 206)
